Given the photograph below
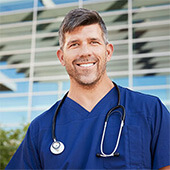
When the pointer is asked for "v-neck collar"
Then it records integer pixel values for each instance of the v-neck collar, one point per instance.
(109, 99)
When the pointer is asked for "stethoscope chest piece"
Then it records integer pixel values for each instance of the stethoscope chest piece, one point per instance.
(57, 147)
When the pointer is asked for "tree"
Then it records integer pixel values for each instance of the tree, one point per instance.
(9, 142)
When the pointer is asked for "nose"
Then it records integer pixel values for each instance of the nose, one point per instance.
(85, 50)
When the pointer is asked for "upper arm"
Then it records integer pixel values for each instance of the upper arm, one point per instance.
(161, 136)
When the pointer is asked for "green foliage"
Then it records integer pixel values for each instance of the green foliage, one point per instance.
(9, 142)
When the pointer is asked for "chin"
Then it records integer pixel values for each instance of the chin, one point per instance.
(88, 83)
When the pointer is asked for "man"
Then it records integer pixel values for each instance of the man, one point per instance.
(145, 139)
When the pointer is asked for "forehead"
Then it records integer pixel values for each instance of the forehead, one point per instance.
(91, 31)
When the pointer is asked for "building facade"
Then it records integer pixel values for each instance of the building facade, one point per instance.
(31, 76)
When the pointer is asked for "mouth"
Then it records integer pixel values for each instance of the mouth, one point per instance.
(85, 65)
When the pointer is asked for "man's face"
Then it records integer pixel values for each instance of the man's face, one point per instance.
(85, 54)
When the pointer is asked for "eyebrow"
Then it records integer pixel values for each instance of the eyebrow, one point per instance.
(95, 39)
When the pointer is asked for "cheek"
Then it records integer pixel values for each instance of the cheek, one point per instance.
(70, 56)
(67, 60)
(105, 57)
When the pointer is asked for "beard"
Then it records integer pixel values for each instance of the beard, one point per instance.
(86, 77)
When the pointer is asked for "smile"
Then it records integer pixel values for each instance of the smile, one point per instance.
(86, 64)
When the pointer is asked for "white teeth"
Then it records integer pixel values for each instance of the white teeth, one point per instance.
(86, 65)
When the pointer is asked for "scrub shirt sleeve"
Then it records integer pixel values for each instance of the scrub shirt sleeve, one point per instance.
(161, 136)
(26, 156)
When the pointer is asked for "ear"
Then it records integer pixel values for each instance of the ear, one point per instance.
(109, 50)
(60, 56)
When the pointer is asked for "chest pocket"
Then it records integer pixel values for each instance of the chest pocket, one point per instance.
(130, 146)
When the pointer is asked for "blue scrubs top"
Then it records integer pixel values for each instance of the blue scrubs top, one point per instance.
(144, 143)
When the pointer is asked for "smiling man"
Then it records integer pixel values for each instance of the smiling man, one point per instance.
(84, 54)
(97, 125)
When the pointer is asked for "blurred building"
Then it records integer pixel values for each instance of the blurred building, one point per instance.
(31, 77)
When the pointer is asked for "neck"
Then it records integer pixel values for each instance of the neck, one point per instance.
(89, 96)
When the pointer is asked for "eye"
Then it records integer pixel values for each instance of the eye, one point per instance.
(73, 45)
(95, 42)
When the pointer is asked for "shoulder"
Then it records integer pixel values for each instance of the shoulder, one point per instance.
(43, 121)
(137, 96)
(47, 115)
(137, 101)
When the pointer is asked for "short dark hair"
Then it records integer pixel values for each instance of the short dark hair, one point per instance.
(80, 17)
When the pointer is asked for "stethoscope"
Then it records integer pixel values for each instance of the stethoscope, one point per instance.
(57, 147)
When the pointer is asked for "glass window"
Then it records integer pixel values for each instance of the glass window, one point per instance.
(14, 87)
(15, 103)
(46, 56)
(15, 73)
(151, 31)
(48, 41)
(49, 26)
(151, 46)
(33, 79)
(151, 80)
(14, 31)
(122, 81)
(15, 58)
(146, 3)
(66, 85)
(49, 70)
(44, 101)
(148, 16)
(15, 45)
(120, 49)
(120, 34)
(55, 2)
(16, 17)
(117, 65)
(56, 11)
(12, 117)
(151, 63)
(103, 6)
(40, 86)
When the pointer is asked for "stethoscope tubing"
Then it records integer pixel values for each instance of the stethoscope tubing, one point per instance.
(55, 116)
(111, 111)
